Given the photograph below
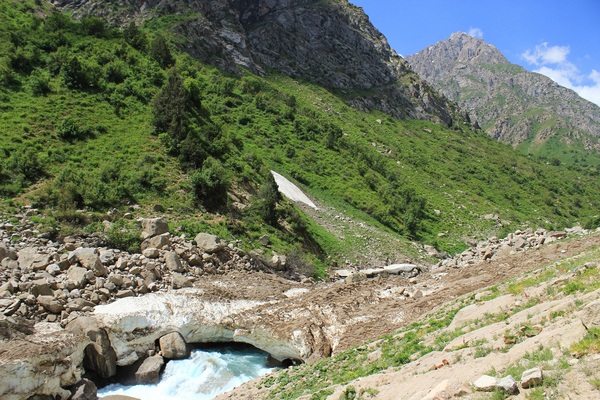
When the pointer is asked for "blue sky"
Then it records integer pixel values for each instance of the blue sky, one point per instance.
(558, 38)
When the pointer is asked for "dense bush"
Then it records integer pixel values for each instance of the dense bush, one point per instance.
(210, 184)
(268, 196)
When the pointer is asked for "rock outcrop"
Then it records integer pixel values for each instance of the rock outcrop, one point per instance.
(331, 43)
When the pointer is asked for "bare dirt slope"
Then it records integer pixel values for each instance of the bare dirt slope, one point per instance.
(485, 342)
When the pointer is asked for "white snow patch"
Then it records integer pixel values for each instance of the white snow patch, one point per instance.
(291, 191)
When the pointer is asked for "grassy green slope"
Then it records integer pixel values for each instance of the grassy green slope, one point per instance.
(76, 123)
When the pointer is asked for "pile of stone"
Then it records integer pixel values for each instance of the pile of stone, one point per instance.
(42, 279)
(515, 242)
(529, 379)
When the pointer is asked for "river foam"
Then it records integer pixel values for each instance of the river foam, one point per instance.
(206, 374)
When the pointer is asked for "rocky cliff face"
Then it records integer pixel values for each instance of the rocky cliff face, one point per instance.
(511, 104)
(331, 43)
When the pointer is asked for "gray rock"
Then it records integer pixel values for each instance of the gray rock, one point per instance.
(7, 287)
(508, 384)
(53, 269)
(50, 304)
(92, 263)
(41, 287)
(209, 243)
(173, 346)
(279, 262)
(5, 252)
(99, 355)
(149, 371)
(74, 255)
(173, 262)
(179, 281)
(151, 252)
(485, 383)
(195, 260)
(157, 242)
(357, 277)
(107, 256)
(409, 269)
(153, 226)
(343, 273)
(12, 308)
(77, 275)
(84, 390)
(125, 293)
(531, 378)
(30, 260)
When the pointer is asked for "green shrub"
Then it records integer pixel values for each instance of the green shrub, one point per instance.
(39, 82)
(124, 236)
(268, 196)
(592, 223)
(70, 130)
(210, 184)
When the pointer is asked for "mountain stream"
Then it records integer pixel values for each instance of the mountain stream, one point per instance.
(203, 376)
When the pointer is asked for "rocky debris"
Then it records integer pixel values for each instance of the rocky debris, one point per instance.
(408, 270)
(531, 378)
(42, 279)
(173, 346)
(489, 250)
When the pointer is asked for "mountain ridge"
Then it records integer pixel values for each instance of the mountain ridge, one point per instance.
(331, 43)
(525, 109)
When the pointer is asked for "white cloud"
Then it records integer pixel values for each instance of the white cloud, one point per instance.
(476, 32)
(544, 54)
(553, 62)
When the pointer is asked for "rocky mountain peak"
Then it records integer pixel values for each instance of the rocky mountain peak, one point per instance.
(455, 52)
(511, 104)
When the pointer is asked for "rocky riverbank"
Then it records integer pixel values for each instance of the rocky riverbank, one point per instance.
(73, 308)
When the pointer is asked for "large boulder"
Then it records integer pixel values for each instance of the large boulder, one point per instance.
(30, 260)
(5, 252)
(153, 227)
(50, 304)
(157, 242)
(99, 355)
(77, 276)
(209, 243)
(84, 390)
(173, 346)
(149, 371)
(74, 255)
(92, 263)
(173, 262)
(179, 281)
(531, 378)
